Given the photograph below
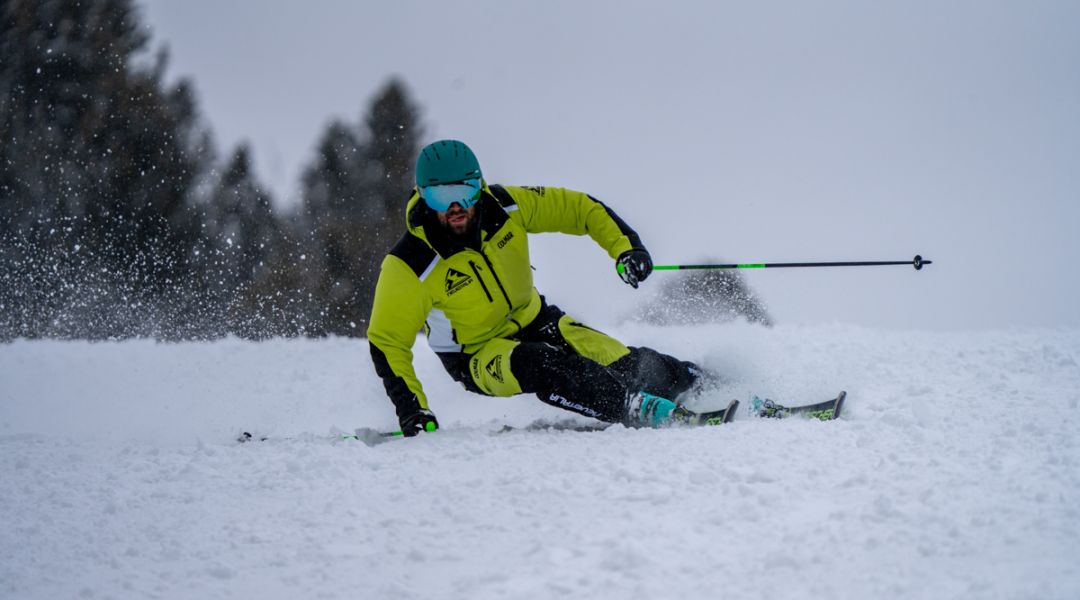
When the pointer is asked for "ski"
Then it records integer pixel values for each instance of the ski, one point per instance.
(716, 417)
(822, 411)
(374, 437)
(683, 418)
(367, 435)
(564, 425)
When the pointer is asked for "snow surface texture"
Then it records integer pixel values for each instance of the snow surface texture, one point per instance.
(955, 473)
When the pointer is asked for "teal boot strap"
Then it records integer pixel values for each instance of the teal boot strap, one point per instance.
(655, 411)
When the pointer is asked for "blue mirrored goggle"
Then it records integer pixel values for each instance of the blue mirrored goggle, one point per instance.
(440, 197)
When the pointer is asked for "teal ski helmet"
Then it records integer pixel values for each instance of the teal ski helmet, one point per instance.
(447, 173)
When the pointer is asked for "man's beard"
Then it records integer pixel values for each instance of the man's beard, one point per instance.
(464, 231)
(461, 231)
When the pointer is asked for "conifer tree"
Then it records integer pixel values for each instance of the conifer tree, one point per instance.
(241, 235)
(241, 225)
(96, 165)
(354, 205)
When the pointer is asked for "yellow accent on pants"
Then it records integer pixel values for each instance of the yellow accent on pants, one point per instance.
(490, 365)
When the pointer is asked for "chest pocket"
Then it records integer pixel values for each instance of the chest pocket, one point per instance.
(470, 283)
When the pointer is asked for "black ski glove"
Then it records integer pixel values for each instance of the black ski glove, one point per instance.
(421, 420)
(634, 266)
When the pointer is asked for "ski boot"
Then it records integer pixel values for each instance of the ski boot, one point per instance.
(647, 410)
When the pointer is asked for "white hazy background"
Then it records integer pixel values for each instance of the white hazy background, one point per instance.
(750, 132)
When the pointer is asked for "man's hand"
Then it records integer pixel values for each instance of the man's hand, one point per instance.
(421, 420)
(634, 266)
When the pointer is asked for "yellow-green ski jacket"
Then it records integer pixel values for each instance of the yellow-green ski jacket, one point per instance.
(464, 294)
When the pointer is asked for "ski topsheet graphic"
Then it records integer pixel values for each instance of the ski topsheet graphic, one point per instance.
(824, 411)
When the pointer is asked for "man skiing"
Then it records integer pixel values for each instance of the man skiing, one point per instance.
(462, 273)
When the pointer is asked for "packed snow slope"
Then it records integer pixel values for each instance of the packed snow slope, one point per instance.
(954, 473)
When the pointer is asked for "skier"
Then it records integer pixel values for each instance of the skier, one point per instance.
(462, 273)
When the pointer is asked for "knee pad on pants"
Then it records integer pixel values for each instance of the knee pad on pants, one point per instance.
(490, 368)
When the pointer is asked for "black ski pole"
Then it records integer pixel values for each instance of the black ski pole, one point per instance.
(917, 262)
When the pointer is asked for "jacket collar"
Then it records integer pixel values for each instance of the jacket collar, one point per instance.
(424, 223)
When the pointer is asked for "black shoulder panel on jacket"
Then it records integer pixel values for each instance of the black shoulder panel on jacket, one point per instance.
(414, 252)
(492, 214)
(503, 196)
(419, 214)
(632, 235)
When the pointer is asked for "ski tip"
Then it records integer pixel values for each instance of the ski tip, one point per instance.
(729, 414)
(839, 404)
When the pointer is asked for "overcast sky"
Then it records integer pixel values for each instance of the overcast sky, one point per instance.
(749, 132)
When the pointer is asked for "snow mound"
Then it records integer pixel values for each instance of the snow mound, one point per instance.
(955, 473)
(695, 297)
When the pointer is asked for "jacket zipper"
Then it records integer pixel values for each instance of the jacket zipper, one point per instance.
(481, 280)
(498, 283)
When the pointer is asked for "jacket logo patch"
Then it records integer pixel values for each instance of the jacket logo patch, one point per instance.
(494, 368)
(506, 239)
(539, 190)
(455, 280)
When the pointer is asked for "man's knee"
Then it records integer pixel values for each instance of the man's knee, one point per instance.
(491, 371)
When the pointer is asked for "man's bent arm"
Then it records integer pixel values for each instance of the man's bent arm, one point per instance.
(396, 316)
(567, 211)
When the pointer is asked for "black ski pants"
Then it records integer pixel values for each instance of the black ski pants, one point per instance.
(570, 365)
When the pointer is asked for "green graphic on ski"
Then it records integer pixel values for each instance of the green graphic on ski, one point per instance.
(718, 417)
(823, 411)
